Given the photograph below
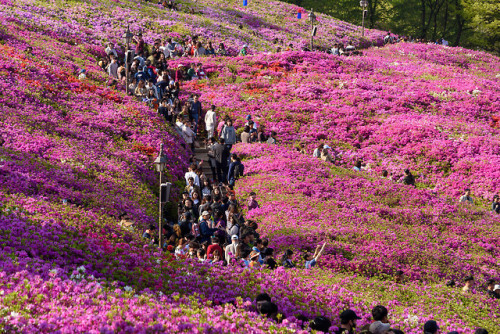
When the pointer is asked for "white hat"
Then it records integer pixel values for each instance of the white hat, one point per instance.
(245, 46)
(234, 237)
(378, 327)
(497, 287)
(326, 146)
(205, 213)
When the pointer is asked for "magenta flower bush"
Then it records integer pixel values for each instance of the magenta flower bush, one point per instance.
(259, 25)
(427, 108)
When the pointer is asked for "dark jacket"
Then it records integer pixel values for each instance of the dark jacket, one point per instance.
(221, 153)
(230, 174)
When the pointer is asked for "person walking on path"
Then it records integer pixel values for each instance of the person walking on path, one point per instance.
(221, 153)
(210, 121)
(229, 134)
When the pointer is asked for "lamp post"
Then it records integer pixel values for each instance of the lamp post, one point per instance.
(160, 164)
(312, 19)
(127, 38)
(363, 4)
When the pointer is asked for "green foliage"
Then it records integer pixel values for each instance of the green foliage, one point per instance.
(469, 23)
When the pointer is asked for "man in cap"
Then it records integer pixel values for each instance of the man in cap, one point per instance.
(469, 281)
(231, 249)
(348, 319)
(205, 230)
(431, 327)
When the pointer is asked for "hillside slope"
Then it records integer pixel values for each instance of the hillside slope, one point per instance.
(74, 155)
(428, 108)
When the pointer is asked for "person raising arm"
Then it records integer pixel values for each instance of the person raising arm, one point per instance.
(312, 259)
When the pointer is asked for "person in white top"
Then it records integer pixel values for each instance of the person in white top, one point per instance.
(191, 173)
(113, 68)
(231, 249)
(210, 121)
(110, 50)
(188, 134)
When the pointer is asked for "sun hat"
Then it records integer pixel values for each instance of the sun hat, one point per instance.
(254, 254)
(378, 327)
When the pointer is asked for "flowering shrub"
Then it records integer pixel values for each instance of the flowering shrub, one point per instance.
(74, 155)
(423, 107)
(218, 21)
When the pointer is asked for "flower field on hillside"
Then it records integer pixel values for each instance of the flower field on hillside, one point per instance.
(75, 154)
(427, 108)
(97, 22)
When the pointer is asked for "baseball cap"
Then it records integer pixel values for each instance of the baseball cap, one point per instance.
(378, 327)
(496, 287)
(431, 327)
(326, 146)
(205, 213)
(249, 117)
(234, 237)
(245, 46)
(349, 315)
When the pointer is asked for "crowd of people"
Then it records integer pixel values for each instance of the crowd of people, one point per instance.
(347, 320)
(210, 226)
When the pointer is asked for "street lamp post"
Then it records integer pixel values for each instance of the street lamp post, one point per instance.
(127, 38)
(312, 19)
(363, 4)
(160, 164)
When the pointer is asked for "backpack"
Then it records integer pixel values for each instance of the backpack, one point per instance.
(238, 171)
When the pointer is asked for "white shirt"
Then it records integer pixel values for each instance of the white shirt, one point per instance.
(210, 119)
(194, 176)
(113, 70)
(188, 135)
(165, 51)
